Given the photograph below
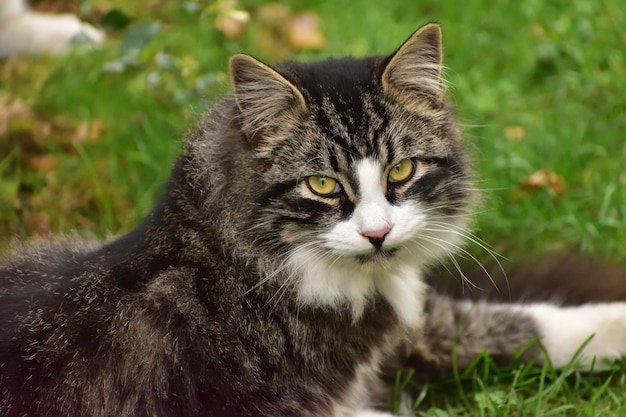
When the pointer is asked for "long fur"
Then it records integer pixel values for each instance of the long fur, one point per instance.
(249, 292)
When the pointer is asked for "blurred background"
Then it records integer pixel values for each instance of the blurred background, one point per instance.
(88, 136)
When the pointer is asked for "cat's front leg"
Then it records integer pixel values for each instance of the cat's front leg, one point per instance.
(460, 330)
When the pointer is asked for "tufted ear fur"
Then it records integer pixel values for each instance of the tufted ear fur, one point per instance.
(413, 74)
(269, 104)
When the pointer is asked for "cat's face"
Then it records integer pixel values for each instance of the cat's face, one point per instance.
(362, 177)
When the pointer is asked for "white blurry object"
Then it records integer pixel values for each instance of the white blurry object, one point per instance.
(24, 32)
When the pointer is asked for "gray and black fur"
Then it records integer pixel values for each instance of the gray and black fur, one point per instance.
(194, 313)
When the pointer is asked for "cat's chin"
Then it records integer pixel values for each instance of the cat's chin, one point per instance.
(379, 258)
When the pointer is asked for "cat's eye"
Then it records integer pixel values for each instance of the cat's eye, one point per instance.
(323, 186)
(402, 171)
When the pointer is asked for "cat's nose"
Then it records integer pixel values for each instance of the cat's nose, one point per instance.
(377, 236)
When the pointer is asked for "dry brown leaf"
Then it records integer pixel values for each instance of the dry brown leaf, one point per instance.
(46, 162)
(43, 224)
(272, 44)
(281, 31)
(232, 23)
(273, 14)
(544, 178)
(89, 131)
(12, 110)
(303, 32)
(514, 132)
(57, 6)
(272, 18)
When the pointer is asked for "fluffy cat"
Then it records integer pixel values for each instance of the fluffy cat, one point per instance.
(283, 268)
(23, 31)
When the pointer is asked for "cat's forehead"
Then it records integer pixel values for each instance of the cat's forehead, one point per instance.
(338, 80)
(351, 117)
(344, 97)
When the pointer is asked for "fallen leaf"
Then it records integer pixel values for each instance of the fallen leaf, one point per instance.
(514, 132)
(272, 14)
(270, 37)
(89, 131)
(12, 110)
(45, 162)
(232, 22)
(271, 43)
(43, 225)
(303, 32)
(56, 6)
(544, 178)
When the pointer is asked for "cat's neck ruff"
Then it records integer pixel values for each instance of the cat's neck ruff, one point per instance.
(326, 284)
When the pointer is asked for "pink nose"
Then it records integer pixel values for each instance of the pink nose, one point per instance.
(377, 236)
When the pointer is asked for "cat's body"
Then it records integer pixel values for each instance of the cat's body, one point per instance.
(25, 32)
(282, 269)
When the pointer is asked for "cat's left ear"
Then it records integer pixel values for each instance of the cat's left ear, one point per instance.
(413, 73)
(268, 103)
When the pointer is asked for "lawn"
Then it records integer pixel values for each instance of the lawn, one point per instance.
(87, 139)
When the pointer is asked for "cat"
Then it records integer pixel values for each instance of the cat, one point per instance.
(282, 272)
(24, 32)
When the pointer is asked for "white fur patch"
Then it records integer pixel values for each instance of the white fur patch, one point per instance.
(373, 211)
(371, 413)
(327, 284)
(564, 330)
(25, 32)
(358, 396)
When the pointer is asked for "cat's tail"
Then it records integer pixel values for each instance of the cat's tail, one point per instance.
(558, 307)
(565, 279)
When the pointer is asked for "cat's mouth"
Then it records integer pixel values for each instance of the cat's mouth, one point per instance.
(376, 257)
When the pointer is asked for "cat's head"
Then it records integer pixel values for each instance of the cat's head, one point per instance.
(355, 171)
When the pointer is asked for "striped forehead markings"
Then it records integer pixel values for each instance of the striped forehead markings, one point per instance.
(361, 137)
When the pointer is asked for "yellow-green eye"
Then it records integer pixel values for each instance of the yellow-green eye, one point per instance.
(402, 171)
(322, 185)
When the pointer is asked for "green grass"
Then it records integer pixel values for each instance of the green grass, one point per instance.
(538, 85)
(518, 389)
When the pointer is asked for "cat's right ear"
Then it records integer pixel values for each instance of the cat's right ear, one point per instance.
(413, 73)
(269, 104)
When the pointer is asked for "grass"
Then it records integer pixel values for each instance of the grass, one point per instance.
(89, 138)
(518, 389)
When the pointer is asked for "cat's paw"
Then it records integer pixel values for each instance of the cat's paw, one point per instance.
(601, 328)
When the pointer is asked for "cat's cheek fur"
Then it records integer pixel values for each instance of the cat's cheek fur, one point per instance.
(601, 328)
(345, 237)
